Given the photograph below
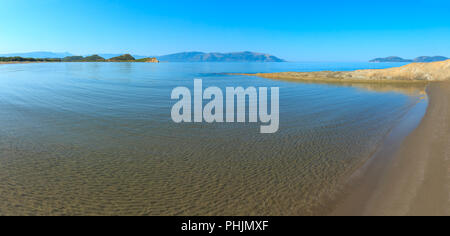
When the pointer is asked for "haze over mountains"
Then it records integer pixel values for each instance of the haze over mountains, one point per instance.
(177, 57)
(38, 55)
(220, 57)
(418, 59)
(211, 57)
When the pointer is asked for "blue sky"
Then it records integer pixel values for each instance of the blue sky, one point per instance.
(320, 30)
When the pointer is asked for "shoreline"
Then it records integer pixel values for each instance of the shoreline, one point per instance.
(39, 62)
(22, 62)
(325, 80)
(413, 179)
(410, 175)
(414, 72)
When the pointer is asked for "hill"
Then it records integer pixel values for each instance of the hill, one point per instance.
(391, 59)
(111, 55)
(177, 57)
(73, 59)
(123, 58)
(38, 55)
(219, 57)
(94, 58)
(418, 59)
(430, 59)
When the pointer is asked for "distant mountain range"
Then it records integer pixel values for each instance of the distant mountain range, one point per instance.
(38, 55)
(219, 57)
(178, 57)
(418, 59)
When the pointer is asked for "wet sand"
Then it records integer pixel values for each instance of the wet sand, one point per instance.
(416, 181)
(404, 178)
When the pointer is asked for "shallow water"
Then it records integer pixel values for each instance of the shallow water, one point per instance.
(97, 138)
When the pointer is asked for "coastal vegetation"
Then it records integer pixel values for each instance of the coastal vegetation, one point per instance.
(22, 59)
(148, 59)
(72, 59)
(93, 58)
(123, 58)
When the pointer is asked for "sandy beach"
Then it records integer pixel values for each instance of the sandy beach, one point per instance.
(410, 175)
(414, 72)
(416, 181)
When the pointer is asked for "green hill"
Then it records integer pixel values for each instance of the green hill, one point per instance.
(73, 59)
(123, 58)
(94, 58)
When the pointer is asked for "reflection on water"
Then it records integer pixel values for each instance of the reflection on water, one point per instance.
(412, 89)
(97, 138)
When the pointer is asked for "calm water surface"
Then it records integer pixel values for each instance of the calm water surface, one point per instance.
(97, 138)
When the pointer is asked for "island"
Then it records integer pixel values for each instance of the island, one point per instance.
(220, 57)
(93, 58)
(245, 56)
(391, 59)
(417, 59)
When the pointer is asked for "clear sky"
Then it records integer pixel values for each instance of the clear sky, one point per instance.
(296, 30)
